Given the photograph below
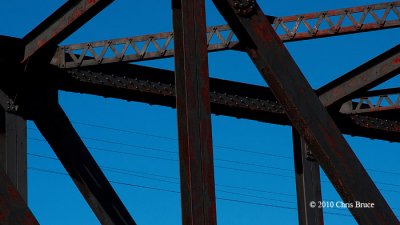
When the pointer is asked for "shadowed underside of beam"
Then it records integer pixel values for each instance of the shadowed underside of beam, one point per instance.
(156, 86)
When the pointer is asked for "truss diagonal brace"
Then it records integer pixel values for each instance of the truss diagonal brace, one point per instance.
(362, 78)
(307, 114)
(13, 208)
(79, 163)
(62, 23)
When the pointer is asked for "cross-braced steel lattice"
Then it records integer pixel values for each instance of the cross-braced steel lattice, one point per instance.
(318, 117)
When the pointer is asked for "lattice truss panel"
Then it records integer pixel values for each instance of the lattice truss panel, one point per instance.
(287, 100)
(289, 28)
(376, 103)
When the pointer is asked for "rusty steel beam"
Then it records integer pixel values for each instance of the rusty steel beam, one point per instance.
(13, 145)
(239, 100)
(13, 150)
(304, 109)
(308, 183)
(374, 101)
(13, 208)
(62, 23)
(316, 25)
(369, 122)
(379, 92)
(77, 160)
(336, 21)
(196, 166)
(362, 78)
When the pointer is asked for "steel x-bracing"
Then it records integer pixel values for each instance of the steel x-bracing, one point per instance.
(370, 114)
(305, 110)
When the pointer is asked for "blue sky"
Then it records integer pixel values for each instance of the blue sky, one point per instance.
(137, 144)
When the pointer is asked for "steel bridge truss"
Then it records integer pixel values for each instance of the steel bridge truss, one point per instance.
(318, 117)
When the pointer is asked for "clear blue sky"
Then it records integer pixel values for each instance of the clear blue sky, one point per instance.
(54, 199)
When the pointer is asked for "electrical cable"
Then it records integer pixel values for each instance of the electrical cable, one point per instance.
(177, 192)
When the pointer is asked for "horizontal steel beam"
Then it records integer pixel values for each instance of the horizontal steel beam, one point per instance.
(62, 23)
(290, 28)
(306, 112)
(156, 86)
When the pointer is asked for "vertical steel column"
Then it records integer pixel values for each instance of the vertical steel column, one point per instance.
(13, 209)
(305, 111)
(308, 183)
(13, 153)
(193, 109)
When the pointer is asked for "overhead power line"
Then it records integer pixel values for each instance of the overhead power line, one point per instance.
(218, 166)
(140, 174)
(177, 192)
(217, 146)
(127, 172)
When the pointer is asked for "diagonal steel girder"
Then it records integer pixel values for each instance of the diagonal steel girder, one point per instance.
(41, 105)
(62, 23)
(362, 78)
(291, 28)
(304, 109)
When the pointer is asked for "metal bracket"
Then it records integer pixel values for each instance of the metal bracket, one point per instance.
(12, 106)
(244, 7)
(310, 156)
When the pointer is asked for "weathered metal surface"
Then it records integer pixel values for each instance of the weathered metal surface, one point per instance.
(340, 21)
(290, 28)
(307, 114)
(62, 23)
(308, 183)
(137, 48)
(376, 123)
(362, 78)
(13, 150)
(13, 208)
(78, 162)
(227, 98)
(193, 111)
(156, 86)
(375, 101)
